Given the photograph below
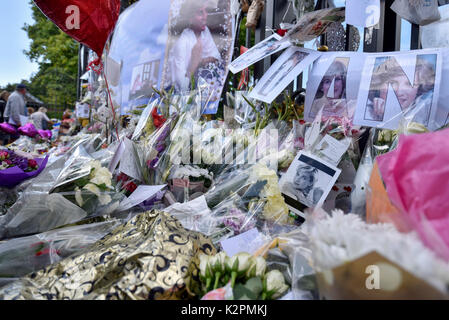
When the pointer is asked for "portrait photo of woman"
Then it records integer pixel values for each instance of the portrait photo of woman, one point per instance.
(416, 98)
(308, 180)
(304, 185)
(198, 45)
(331, 94)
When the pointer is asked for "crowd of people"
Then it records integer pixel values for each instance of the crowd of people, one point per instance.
(15, 111)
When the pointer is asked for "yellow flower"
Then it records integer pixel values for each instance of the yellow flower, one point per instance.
(275, 209)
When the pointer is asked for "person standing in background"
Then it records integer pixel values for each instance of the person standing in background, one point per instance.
(4, 137)
(3, 100)
(40, 119)
(16, 107)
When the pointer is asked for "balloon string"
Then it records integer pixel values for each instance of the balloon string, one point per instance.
(112, 104)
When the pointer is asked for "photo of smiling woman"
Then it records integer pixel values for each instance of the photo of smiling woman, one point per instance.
(413, 98)
(199, 45)
(333, 102)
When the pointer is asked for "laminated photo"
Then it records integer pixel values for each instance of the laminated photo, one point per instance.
(199, 49)
(176, 44)
(263, 49)
(398, 86)
(333, 85)
(308, 181)
(285, 69)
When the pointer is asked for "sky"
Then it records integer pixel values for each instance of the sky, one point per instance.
(14, 65)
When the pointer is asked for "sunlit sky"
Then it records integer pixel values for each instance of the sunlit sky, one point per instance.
(15, 66)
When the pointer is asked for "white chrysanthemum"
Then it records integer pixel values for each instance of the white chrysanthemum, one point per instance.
(340, 238)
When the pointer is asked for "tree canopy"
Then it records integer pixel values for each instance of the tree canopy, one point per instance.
(57, 57)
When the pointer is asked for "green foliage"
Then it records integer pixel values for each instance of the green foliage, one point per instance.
(57, 56)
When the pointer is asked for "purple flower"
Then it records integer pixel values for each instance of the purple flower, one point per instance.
(149, 203)
(152, 164)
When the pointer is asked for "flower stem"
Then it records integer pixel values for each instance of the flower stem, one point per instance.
(233, 277)
(217, 278)
(208, 282)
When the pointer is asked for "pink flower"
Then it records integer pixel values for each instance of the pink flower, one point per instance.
(4, 155)
(9, 162)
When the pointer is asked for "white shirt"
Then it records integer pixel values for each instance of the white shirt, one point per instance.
(15, 107)
(37, 119)
(181, 55)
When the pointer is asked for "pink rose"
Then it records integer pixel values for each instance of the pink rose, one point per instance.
(4, 155)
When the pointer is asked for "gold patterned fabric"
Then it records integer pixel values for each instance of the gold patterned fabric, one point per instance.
(150, 257)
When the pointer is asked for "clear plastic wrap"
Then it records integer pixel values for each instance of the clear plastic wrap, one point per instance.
(21, 256)
(39, 209)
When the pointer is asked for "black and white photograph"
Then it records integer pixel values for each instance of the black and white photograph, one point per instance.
(269, 46)
(398, 85)
(285, 69)
(308, 181)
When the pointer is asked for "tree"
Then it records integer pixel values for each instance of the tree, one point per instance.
(57, 56)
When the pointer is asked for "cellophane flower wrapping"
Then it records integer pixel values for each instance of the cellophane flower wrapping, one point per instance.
(20, 170)
(21, 256)
(39, 208)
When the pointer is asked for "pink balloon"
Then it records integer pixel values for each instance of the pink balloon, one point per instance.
(28, 130)
(9, 129)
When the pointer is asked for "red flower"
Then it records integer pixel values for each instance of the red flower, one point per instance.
(122, 177)
(47, 251)
(130, 187)
(348, 189)
(335, 188)
(32, 163)
(158, 120)
(302, 122)
(281, 32)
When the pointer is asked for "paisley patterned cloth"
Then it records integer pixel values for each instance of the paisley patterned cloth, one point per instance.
(150, 257)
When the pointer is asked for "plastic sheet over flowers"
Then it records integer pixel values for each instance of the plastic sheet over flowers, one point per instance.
(21, 256)
(150, 257)
(41, 208)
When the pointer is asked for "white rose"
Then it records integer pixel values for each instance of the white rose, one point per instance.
(218, 262)
(244, 262)
(257, 268)
(204, 262)
(102, 175)
(275, 283)
(104, 199)
(92, 188)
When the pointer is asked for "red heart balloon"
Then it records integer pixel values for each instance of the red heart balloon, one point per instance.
(89, 22)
